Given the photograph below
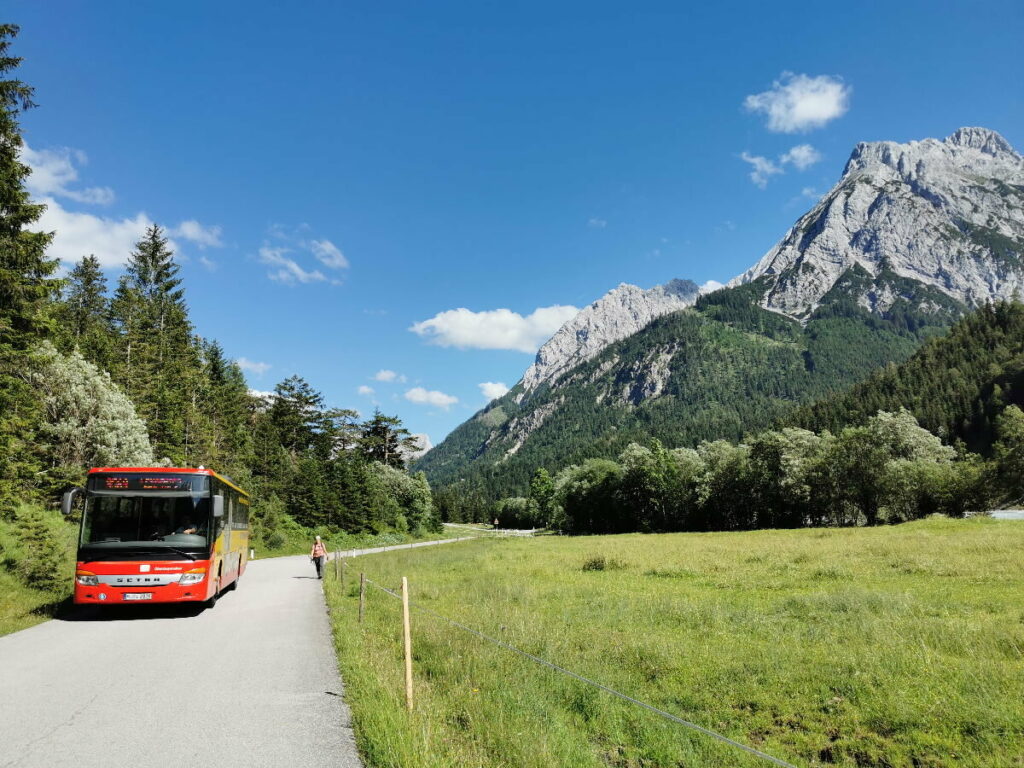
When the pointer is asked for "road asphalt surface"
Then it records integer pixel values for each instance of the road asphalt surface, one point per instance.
(251, 682)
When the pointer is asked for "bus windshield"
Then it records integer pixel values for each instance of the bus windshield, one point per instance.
(152, 519)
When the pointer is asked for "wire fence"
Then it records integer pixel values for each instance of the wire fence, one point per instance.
(568, 672)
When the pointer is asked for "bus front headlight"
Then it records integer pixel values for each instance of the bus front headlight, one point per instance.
(193, 577)
(87, 578)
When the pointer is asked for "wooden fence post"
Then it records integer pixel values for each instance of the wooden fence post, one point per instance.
(408, 643)
(342, 579)
(362, 595)
(336, 566)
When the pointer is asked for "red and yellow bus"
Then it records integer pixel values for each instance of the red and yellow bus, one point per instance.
(161, 535)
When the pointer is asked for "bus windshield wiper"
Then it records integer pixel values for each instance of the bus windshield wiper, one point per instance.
(179, 551)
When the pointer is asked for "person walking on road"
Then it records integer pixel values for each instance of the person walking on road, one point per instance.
(319, 556)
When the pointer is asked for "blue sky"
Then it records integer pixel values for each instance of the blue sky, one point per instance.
(334, 174)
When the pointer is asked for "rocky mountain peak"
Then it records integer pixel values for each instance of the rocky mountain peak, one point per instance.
(984, 139)
(619, 313)
(948, 214)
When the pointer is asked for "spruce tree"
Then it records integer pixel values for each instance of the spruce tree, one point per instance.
(157, 362)
(218, 430)
(297, 415)
(85, 313)
(384, 439)
(26, 286)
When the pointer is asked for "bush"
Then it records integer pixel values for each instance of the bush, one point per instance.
(41, 564)
(602, 563)
(276, 540)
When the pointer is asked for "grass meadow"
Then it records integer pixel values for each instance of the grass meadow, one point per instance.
(889, 646)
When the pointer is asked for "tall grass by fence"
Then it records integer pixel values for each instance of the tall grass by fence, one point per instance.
(402, 594)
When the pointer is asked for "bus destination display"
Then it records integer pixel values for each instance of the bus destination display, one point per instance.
(144, 482)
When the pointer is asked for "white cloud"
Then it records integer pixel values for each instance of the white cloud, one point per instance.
(78, 234)
(431, 397)
(293, 241)
(710, 286)
(596, 223)
(267, 396)
(762, 168)
(803, 156)
(249, 365)
(53, 171)
(193, 231)
(289, 272)
(209, 264)
(386, 375)
(799, 102)
(328, 254)
(494, 329)
(809, 192)
(492, 390)
(82, 234)
(365, 390)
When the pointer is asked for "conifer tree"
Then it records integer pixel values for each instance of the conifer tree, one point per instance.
(296, 415)
(85, 313)
(26, 286)
(384, 439)
(157, 363)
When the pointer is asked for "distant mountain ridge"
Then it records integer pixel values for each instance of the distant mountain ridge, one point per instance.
(910, 238)
(949, 214)
(619, 313)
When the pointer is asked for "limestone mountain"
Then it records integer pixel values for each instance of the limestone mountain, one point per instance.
(619, 313)
(948, 214)
(911, 237)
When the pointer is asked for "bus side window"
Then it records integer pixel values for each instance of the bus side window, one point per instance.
(220, 522)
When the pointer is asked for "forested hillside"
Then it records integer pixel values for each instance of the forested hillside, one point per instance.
(956, 385)
(723, 369)
(894, 447)
(94, 375)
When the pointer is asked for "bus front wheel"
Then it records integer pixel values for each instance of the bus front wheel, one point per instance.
(216, 594)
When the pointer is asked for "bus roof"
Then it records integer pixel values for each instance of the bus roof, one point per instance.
(175, 470)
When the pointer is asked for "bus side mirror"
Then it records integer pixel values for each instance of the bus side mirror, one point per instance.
(218, 506)
(68, 501)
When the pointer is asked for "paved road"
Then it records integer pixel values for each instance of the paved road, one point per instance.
(1008, 514)
(251, 682)
(346, 553)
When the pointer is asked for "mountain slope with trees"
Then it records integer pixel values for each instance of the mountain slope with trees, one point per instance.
(956, 386)
(910, 238)
(724, 368)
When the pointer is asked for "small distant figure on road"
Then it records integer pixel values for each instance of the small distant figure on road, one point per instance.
(319, 556)
(495, 522)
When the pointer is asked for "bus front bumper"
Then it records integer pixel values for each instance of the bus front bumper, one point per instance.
(103, 583)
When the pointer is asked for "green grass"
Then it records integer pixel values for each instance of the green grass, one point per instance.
(22, 606)
(896, 646)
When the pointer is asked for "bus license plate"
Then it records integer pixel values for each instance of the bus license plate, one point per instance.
(138, 595)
